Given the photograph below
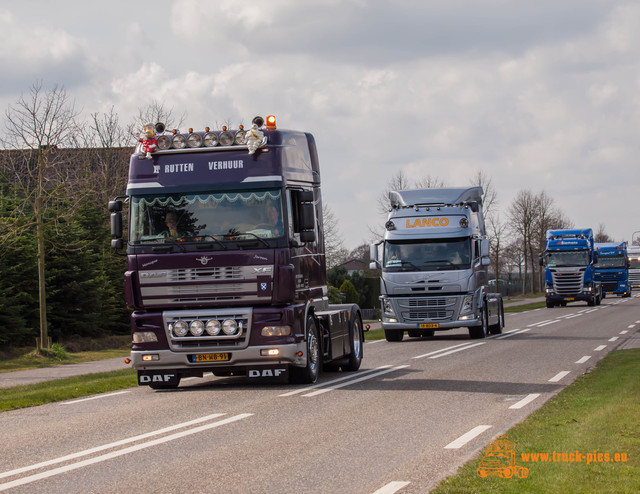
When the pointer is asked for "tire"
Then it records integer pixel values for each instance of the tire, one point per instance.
(550, 305)
(497, 327)
(355, 334)
(310, 372)
(507, 473)
(393, 335)
(478, 332)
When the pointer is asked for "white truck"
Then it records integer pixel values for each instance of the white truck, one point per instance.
(633, 251)
(434, 260)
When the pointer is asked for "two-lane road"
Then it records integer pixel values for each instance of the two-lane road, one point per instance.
(413, 414)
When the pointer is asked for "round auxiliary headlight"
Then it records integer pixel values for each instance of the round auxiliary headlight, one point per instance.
(240, 137)
(164, 142)
(225, 138)
(180, 328)
(229, 326)
(179, 141)
(196, 328)
(464, 222)
(210, 139)
(213, 327)
(194, 140)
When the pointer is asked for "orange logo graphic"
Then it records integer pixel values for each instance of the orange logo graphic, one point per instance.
(500, 459)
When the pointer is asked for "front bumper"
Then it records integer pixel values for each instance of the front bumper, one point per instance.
(240, 358)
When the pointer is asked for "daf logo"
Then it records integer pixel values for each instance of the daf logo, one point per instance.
(265, 269)
(204, 260)
(266, 372)
(153, 274)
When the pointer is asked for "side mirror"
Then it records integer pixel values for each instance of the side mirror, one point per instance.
(116, 225)
(308, 236)
(115, 206)
(484, 247)
(485, 261)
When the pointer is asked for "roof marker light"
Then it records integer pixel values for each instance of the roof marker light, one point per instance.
(271, 122)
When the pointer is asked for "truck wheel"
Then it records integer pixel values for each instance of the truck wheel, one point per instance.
(507, 473)
(310, 372)
(550, 305)
(497, 327)
(393, 335)
(477, 332)
(355, 357)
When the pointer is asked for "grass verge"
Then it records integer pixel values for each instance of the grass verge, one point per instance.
(599, 414)
(525, 307)
(65, 389)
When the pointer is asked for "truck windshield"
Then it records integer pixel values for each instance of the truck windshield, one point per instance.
(205, 217)
(560, 259)
(611, 262)
(453, 253)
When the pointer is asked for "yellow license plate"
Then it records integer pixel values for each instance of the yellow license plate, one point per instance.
(567, 299)
(428, 325)
(210, 357)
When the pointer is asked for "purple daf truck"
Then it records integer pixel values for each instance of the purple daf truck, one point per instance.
(226, 267)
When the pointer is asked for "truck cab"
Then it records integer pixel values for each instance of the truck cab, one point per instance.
(434, 265)
(612, 268)
(569, 260)
(226, 267)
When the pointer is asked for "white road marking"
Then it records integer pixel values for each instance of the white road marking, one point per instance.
(97, 397)
(465, 438)
(115, 454)
(442, 350)
(538, 323)
(549, 322)
(614, 338)
(349, 383)
(328, 383)
(599, 348)
(525, 401)
(109, 446)
(519, 331)
(457, 350)
(559, 376)
(624, 332)
(392, 487)
(583, 359)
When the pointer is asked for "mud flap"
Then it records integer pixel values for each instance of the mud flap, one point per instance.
(268, 371)
(162, 377)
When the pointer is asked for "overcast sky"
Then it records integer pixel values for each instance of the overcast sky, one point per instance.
(541, 95)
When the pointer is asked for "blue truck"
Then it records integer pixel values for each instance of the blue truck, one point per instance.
(612, 268)
(569, 260)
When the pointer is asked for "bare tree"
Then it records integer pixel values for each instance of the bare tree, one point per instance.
(153, 113)
(521, 221)
(601, 235)
(109, 151)
(37, 126)
(334, 250)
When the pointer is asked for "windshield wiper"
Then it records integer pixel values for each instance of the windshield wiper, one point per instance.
(232, 234)
(205, 237)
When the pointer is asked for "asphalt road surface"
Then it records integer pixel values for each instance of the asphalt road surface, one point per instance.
(413, 413)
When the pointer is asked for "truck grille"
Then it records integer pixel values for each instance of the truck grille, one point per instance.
(427, 308)
(610, 286)
(568, 283)
(634, 278)
(198, 286)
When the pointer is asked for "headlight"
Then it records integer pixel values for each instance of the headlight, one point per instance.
(194, 140)
(145, 337)
(164, 142)
(213, 327)
(179, 141)
(225, 138)
(196, 328)
(240, 137)
(276, 331)
(386, 306)
(467, 304)
(210, 139)
(229, 326)
(180, 328)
